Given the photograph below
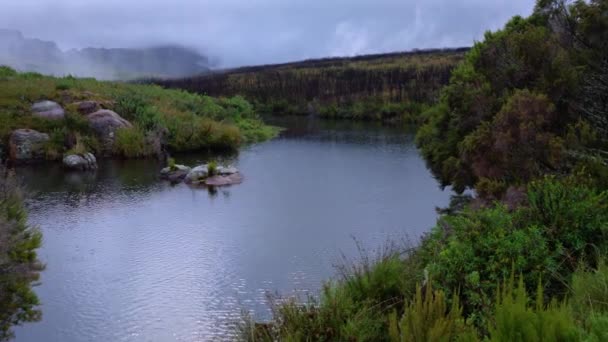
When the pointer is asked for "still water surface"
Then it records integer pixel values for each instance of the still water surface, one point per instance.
(131, 258)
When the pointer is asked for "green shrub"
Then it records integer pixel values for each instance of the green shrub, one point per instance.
(212, 168)
(490, 189)
(575, 217)
(427, 318)
(63, 85)
(131, 143)
(590, 290)
(18, 260)
(225, 137)
(480, 251)
(171, 164)
(565, 224)
(6, 71)
(128, 104)
(516, 320)
(597, 327)
(148, 118)
(55, 146)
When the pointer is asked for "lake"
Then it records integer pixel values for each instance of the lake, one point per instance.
(132, 258)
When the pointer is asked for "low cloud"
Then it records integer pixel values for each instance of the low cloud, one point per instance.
(240, 32)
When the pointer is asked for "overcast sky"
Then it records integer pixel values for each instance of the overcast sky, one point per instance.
(240, 32)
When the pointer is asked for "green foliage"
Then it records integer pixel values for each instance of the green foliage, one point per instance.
(212, 168)
(171, 164)
(64, 85)
(565, 223)
(427, 318)
(575, 217)
(517, 145)
(597, 328)
(6, 71)
(18, 261)
(131, 143)
(481, 250)
(516, 320)
(504, 114)
(54, 147)
(590, 290)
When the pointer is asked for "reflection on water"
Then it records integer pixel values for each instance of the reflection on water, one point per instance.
(131, 258)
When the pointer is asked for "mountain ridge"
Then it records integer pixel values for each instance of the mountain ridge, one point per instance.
(31, 54)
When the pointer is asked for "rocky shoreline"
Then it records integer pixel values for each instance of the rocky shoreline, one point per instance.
(26, 146)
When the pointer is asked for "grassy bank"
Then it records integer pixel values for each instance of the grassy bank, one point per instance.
(387, 87)
(524, 122)
(183, 121)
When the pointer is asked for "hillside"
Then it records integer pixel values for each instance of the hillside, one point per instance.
(382, 86)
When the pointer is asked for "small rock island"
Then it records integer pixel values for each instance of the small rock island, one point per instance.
(207, 174)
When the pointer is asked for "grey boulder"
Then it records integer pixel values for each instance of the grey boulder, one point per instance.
(105, 123)
(197, 174)
(176, 175)
(48, 110)
(87, 107)
(86, 161)
(27, 145)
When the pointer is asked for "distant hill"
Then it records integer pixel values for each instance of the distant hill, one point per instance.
(27, 54)
(382, 86)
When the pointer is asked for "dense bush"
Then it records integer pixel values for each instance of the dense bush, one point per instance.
(506, 112)
(565, 223)
(131, 143)
(19, 266)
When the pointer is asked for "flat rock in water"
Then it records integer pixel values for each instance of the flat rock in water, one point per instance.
(225, 171)
(231, 179)
(48, 110)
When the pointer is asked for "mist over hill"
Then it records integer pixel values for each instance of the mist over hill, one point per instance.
(28, 54)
